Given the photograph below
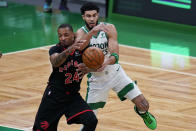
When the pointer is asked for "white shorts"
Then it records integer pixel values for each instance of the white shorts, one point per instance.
(98, 90)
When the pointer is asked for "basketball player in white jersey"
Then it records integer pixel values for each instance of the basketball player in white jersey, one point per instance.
(111, 75)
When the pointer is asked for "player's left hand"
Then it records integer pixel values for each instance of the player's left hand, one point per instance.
(78, 45)
(82, 70)
(102, 67)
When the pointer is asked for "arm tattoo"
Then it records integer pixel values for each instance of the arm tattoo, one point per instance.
(60, 58)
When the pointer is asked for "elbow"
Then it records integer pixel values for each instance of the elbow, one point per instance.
(55, 65)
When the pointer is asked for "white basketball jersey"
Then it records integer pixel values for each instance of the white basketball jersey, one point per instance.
(101, 41)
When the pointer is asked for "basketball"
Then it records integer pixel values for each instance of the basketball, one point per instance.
(93, 57)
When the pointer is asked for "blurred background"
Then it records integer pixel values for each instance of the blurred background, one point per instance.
(151, 24)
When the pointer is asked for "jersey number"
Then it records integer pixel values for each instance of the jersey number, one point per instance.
(69, 78)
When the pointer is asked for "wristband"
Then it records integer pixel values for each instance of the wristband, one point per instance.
(116, 57)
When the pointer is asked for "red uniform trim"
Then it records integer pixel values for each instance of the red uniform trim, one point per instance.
(72, 52)
(77, 114)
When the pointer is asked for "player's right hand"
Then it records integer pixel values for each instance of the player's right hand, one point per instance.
(77, 45)
(100, 27)
(82, 70)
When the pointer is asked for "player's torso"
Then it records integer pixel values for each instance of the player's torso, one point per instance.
(66, 75)
(101, 41)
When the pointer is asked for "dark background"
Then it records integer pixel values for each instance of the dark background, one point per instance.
(147, 9)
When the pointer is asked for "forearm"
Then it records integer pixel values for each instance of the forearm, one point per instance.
(60, 58)
(114, 53)
(87, 37)
(91, 70)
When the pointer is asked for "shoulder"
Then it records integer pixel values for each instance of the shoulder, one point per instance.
(82, 30)
(55, 49)
(112, 26)
(109, 26)
(80, 33)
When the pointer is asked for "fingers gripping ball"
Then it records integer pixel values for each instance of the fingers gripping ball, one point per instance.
(93, 57)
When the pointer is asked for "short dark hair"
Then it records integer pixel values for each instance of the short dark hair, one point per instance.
(88, 6)
(66, 26)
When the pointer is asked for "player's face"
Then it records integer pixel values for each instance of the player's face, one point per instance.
(66, 36)
(91, 18)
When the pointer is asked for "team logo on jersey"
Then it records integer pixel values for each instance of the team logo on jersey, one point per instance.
(44, 125)
(68, 65)
(102, 35)
(77, 53)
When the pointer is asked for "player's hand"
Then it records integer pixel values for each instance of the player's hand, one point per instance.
(102, 67)
(100, 27)
(82, 70)
(77, 45)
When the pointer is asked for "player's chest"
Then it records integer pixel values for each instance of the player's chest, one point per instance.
(72, 62)
(99, 41)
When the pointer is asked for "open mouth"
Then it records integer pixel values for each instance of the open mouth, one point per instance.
(92, 24)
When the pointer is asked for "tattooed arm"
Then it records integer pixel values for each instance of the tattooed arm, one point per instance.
(57, 59)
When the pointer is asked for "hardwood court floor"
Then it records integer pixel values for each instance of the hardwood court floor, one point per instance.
(170, 89)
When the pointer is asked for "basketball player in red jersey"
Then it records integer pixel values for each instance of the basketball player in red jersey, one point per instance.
(62, 96)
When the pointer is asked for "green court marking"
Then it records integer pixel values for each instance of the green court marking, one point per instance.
(8, 129)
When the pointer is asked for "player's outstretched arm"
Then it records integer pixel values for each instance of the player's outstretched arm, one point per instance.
(83, 69)
(113, 44)
(57, 59)
(81, 35)
(113, 47)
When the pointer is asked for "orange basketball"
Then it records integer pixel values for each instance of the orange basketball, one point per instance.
(93, 57)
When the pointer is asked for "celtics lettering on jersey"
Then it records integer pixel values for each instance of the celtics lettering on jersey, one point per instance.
(100, 41)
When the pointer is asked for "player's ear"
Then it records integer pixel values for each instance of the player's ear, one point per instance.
(83, 17)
